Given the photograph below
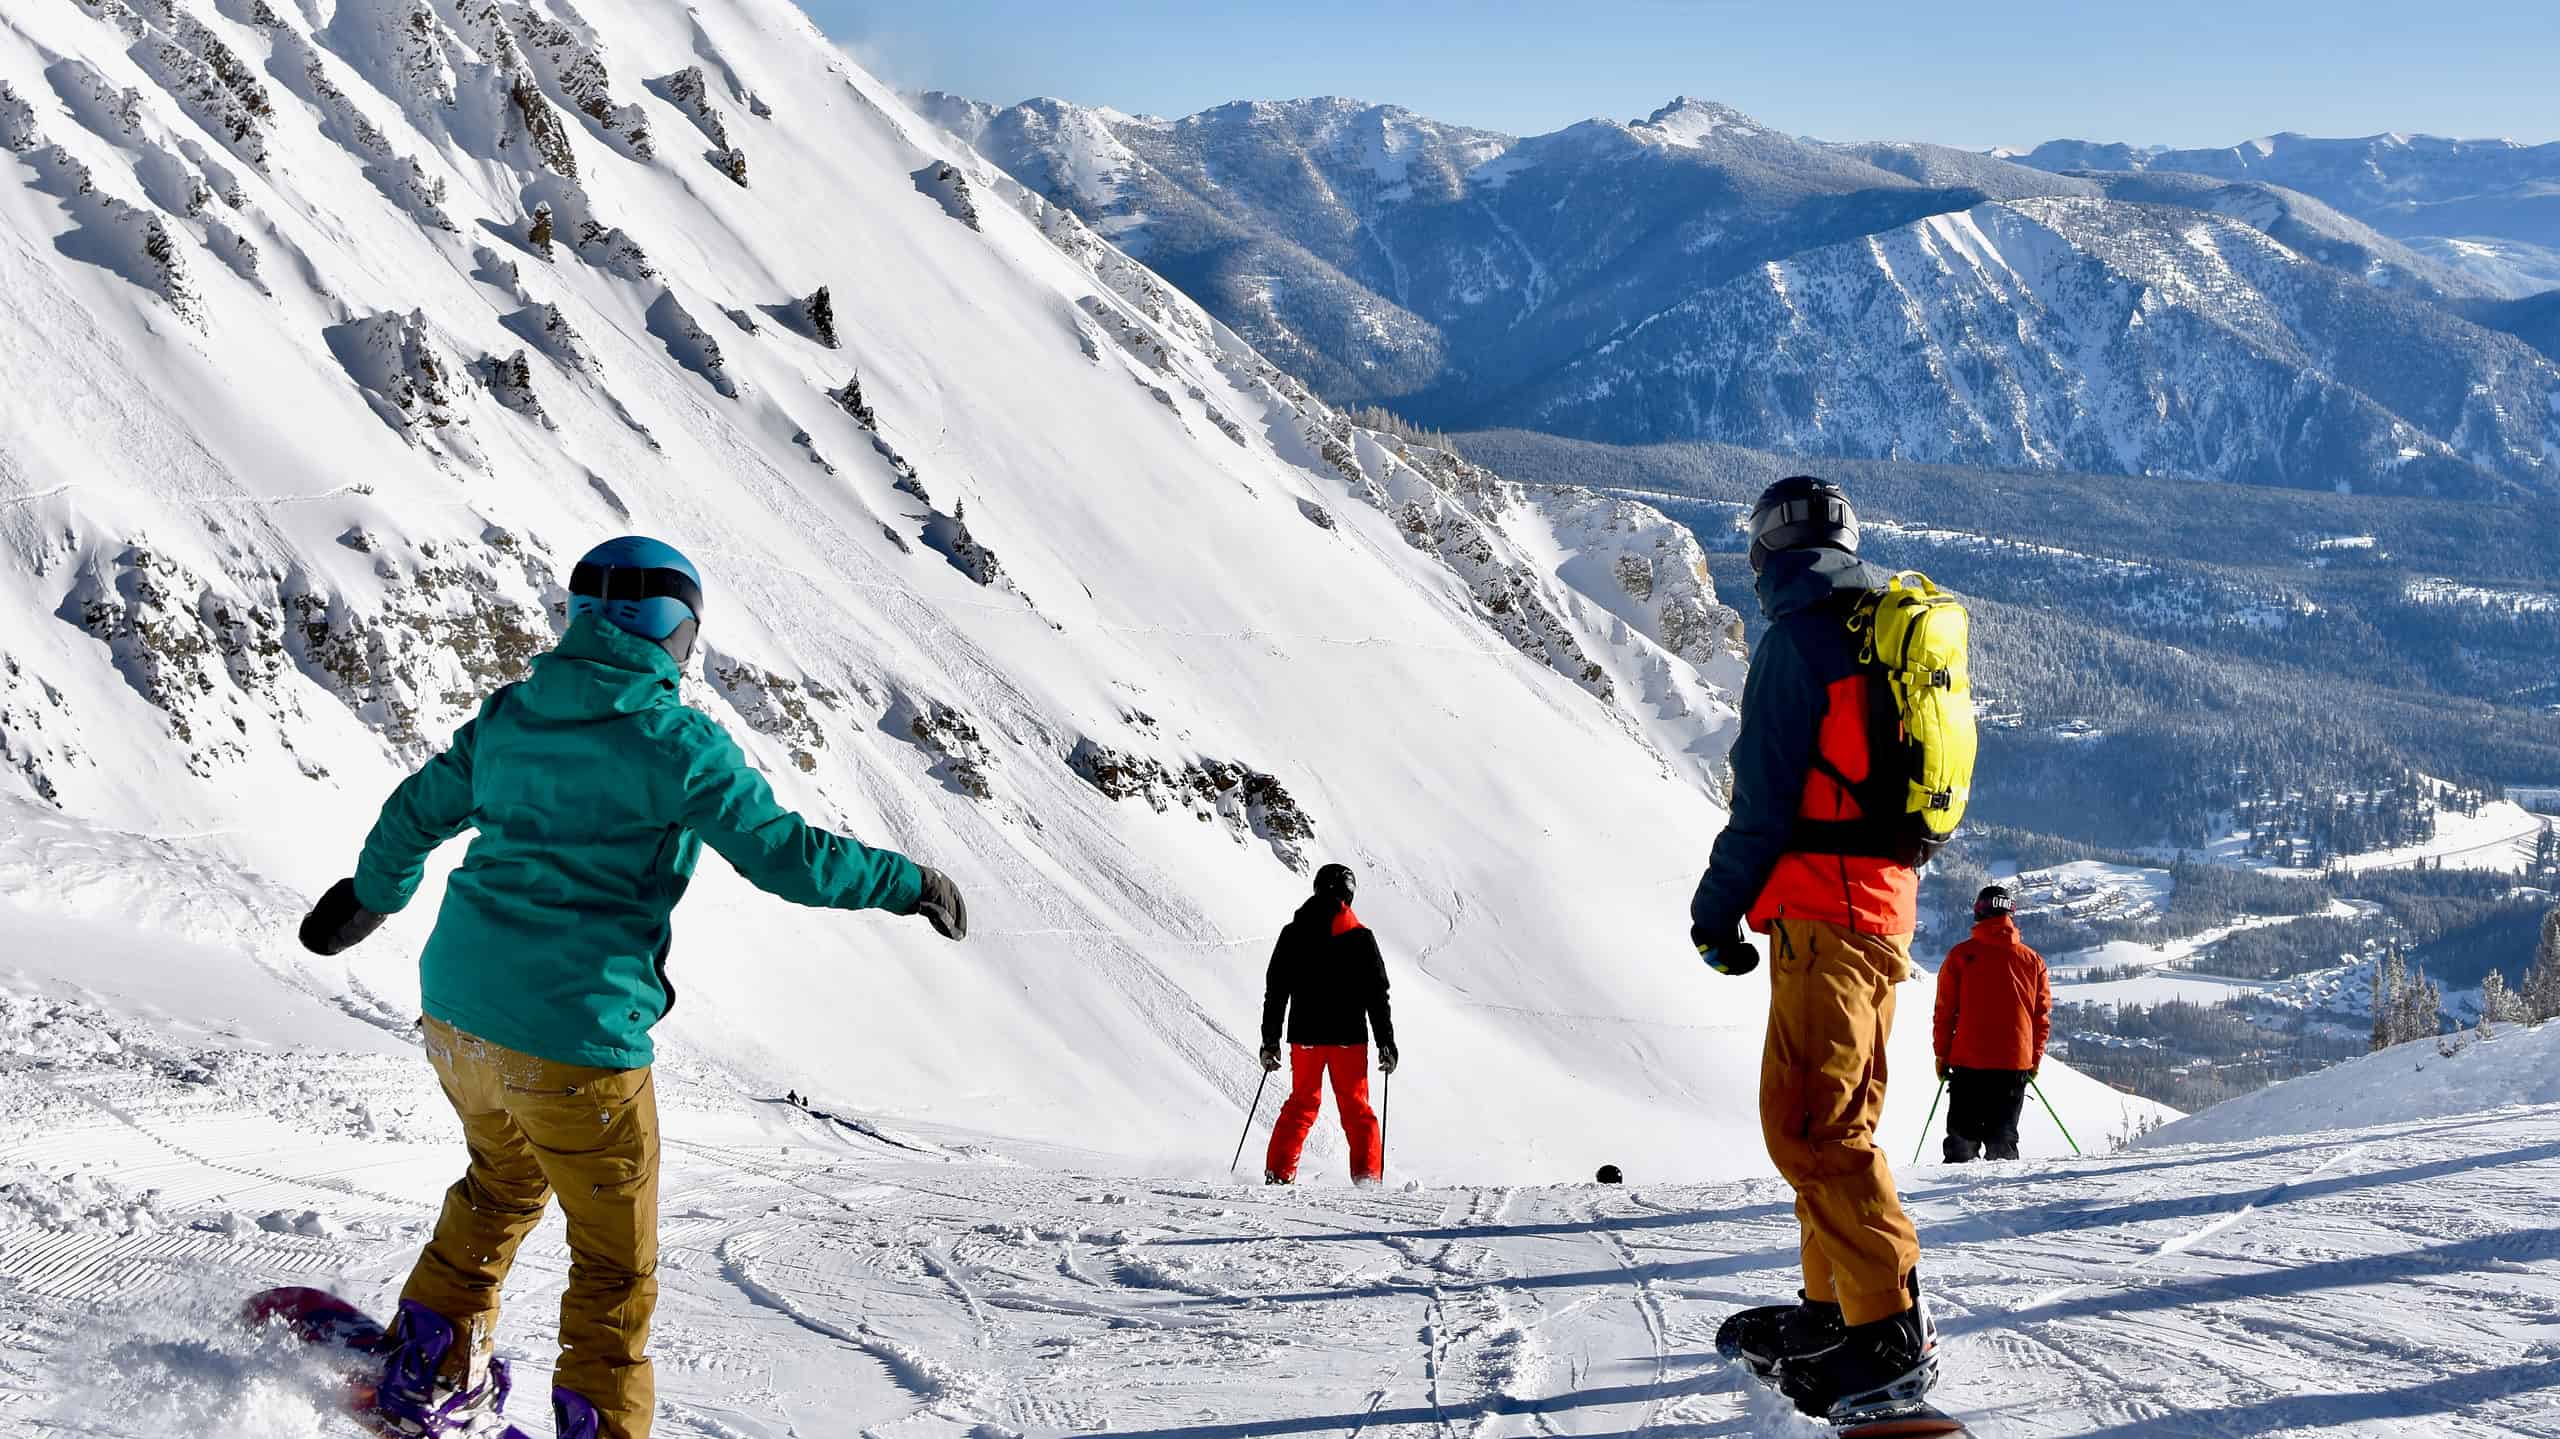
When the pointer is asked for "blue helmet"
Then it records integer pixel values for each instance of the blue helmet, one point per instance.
(637, 584)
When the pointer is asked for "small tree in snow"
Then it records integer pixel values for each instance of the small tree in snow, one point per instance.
(2420, 1000)
(2499, 1004)
(2541, 990)
(2405, 1006)
(2389, 978)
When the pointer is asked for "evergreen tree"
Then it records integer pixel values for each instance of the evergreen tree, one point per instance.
(2498, 1004)
(2542, 982)
(2543, 979)
(2390, 977)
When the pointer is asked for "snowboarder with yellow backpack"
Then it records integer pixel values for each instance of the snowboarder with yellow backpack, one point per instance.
(1852, 765)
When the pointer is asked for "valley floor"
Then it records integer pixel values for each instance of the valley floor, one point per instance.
(825, 1277)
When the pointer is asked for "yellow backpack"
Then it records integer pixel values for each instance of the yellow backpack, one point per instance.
(1915, 634)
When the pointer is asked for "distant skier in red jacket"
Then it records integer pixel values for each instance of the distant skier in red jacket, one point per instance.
(1995, 1012)
(1330, 983)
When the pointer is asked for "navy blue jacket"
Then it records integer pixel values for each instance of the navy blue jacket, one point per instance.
(1807, 595)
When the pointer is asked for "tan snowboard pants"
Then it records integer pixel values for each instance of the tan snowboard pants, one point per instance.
(1822, 1078)
(535, 1128)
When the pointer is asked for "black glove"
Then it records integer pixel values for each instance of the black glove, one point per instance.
(338, 922)
(941, 905)
(1386, 1059)
(1726, 951)
(1270, 1058)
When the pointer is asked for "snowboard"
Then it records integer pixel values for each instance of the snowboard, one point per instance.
(325, 1321)
(1914, 1418)
(1900, 1419)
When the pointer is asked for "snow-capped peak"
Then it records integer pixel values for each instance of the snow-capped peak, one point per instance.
(1694, 123)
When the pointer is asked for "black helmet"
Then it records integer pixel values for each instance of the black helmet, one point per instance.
(1801, 512)
(1994, 900)
(1609, 1175)
(1335, 881)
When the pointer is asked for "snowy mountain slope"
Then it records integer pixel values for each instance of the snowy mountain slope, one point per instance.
(825, 1272)
(2536, 321)
(1409, 258)
(2512, 268)
(2079, 334)
(1469, 278)
(2432, 1079)
(1946, 166)
(334, 335)
(2307, 227)
(2411, 186)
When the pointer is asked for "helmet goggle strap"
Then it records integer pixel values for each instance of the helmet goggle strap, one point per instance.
(1816, 513)
(613, 584)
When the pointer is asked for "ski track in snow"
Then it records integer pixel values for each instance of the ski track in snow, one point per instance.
(2403, 1279)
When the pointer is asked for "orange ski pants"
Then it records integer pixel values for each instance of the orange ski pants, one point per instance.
(1822, 1078)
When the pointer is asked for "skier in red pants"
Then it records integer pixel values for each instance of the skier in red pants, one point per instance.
(1329, 980)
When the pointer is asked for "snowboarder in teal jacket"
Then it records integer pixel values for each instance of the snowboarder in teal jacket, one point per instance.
(593, 789)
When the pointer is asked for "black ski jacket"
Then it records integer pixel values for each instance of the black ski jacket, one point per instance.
(1332, 987)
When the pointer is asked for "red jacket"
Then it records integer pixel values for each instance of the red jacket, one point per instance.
(1857, 893)
(1995, 1007)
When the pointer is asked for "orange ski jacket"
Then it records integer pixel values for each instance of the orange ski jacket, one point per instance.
(1995, 1004)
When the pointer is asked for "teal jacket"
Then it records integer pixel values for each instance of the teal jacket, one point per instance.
(593, 790)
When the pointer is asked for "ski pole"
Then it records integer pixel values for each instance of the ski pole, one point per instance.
(1932, 1119)
(1248, 1121)
(1386, 1101)
(2057, 1118)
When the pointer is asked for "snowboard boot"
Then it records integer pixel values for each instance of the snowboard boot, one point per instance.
(415, 1398)
(1775, 1334)
(1877, 1368)
(572, 1417)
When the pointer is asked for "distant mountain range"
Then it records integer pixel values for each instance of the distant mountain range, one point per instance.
(2330, 314)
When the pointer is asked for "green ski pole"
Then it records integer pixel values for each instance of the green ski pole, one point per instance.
(2057, 1119)
(1932, 1119)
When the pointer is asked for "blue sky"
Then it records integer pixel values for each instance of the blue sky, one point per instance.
(1964, 72)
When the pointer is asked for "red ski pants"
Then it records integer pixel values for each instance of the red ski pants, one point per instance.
(1308, 1066)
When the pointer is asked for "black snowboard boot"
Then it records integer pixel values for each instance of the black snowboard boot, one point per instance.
(1880, 1366)
(1775, 1334)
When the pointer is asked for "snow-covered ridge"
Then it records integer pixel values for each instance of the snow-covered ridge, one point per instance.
(1584, 282)
(2061, 333)
(2458, 1074)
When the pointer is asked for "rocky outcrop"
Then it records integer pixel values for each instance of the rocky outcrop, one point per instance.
(772, 704)
(407, 378)
(17, 122)
(116, 234)
(944, 183)
(510, 382)
(689, 344)
(39, 738)
(571, 63)
(454, 622)
(1251, 804)
(207, 78)
(948, 536)
(961, 758)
